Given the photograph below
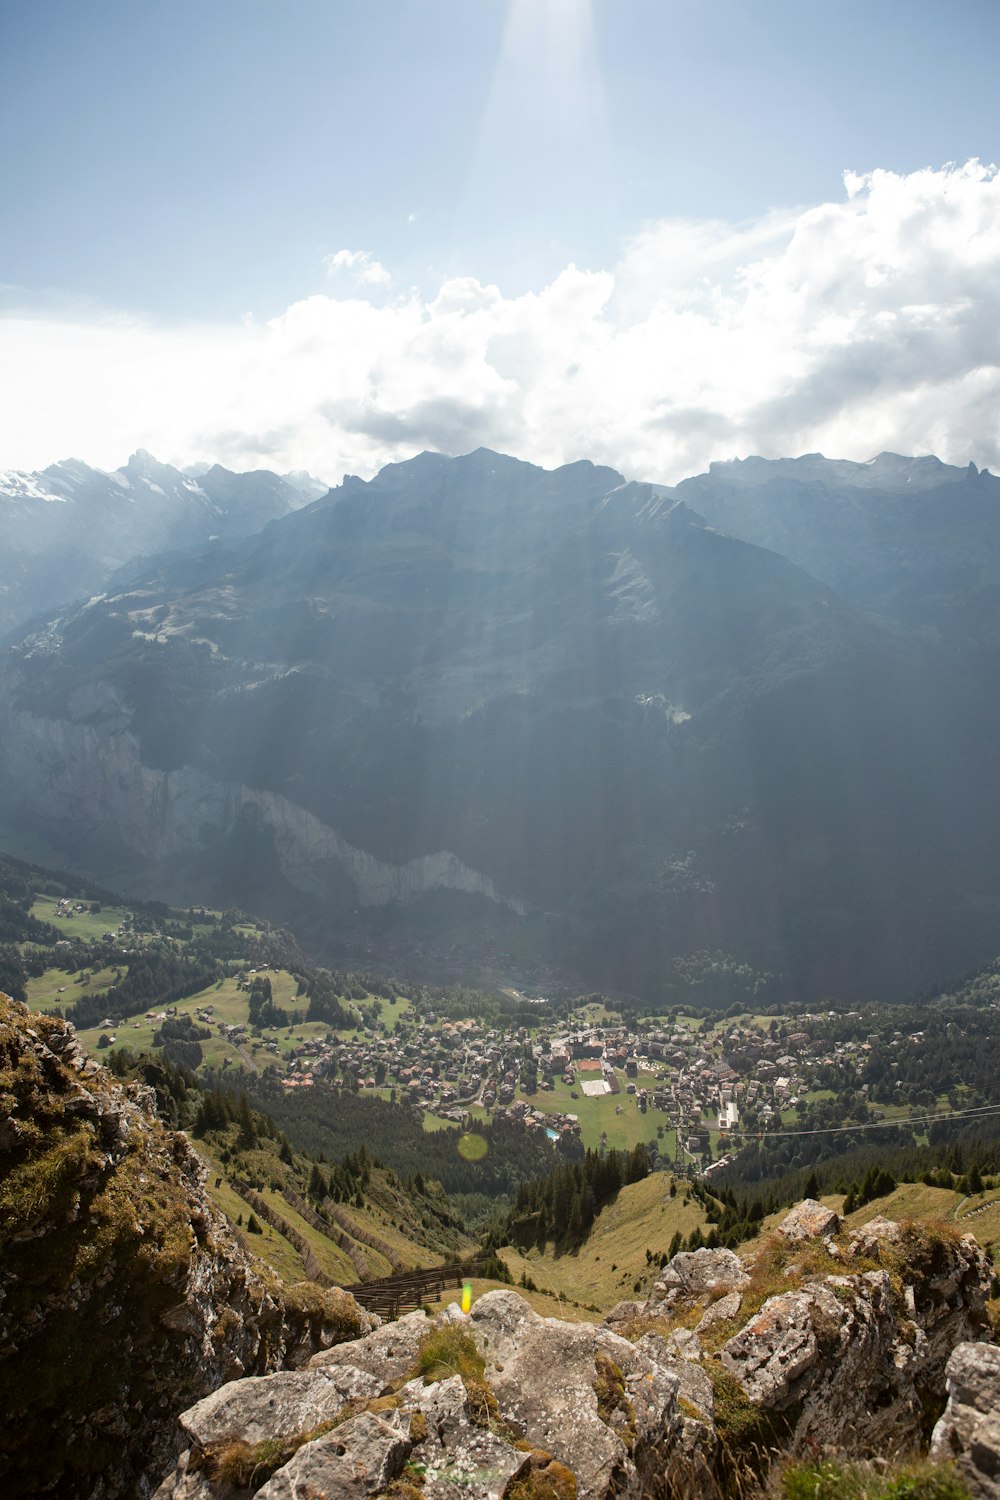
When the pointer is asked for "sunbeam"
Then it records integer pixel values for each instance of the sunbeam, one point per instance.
(544, 138)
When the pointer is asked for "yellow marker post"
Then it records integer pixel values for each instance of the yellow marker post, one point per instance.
(466, 1296)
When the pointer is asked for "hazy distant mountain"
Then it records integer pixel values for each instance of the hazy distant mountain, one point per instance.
(64, 531)
(556, 696)
(910, 537)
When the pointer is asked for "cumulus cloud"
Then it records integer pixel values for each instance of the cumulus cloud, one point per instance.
(867, 323)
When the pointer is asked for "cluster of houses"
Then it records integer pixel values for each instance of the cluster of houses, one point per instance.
(708, 1082)
(693, 1082)
(704, 1083)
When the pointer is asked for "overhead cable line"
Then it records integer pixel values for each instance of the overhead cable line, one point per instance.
(979, 1112)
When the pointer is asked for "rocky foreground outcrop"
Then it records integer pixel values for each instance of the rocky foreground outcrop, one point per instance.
(969, 1429)
(124, 1295)
(820, 1342)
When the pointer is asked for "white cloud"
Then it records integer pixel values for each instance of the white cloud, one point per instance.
(362, 266)
(848, 327)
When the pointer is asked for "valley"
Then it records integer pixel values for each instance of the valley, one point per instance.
(488, 1086)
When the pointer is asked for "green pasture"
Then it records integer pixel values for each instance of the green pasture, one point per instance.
(597, 1115)
(57, 988)
(88, 925)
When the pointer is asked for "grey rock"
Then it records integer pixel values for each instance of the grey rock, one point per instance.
(694, 1384)
(969, 1429)
(459, 1456)
(185, 1484)
(624, 1312)
(809, 1220)
(726, 1307)
(778, 1346)
(276, 1405)
(871, 1237)
(697, 1273)
(357, 1459)
(684, 1344)
(390, 1353)
(544, 1375)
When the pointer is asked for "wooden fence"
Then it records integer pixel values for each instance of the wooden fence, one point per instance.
(395, 1294)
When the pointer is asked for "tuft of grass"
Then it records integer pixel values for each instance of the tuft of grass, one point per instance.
(831, 1480)
(451, 1351)
(325, 1308)
(613, 1405)
(545, 1480)
(248, 1466)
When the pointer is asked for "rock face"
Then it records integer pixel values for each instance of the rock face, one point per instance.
(123, 1292)
(809, 1220)
(820, 1342)
(969, 1430)
(594, 1413)
(848, 1354)
(691, 1276)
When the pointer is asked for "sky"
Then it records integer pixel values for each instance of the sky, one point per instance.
(325, 235)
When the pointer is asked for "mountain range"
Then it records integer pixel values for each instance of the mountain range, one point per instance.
(65, 530)
(733, 737)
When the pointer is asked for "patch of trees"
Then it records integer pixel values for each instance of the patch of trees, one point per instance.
(238, 937)
(325, 991)
(181, 1041)
(156, 976)
(562, 1206)
(261, 1009)
(957, 1152)
(334, 1123)
(12, 975)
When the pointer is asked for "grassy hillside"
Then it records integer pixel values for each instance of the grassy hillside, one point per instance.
(353, 1222)
(612, 1263)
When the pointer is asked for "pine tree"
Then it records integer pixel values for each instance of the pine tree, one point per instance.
(247, 1137)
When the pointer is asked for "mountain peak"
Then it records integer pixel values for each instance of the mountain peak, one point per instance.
(142, 463)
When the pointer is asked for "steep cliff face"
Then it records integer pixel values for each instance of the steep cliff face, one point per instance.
(86, 771)
(821, 1343)
(123, 1292)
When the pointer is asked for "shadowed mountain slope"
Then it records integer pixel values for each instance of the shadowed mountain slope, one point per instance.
(912, 538)
(567, 698)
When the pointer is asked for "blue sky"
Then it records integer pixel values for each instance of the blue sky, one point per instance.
(183, 167)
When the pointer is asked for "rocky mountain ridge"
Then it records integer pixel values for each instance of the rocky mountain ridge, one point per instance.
(64, 531)
(720, 1374)
(565, 699)
(912, 538)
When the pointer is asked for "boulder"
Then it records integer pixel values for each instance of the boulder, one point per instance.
(698, 1273)
(809, 1220)
(969, 1429)
(389, 1353)
(718, 1312)
(694, 1385)
(457, 1455)
(262, 1407)
(831, 1357)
